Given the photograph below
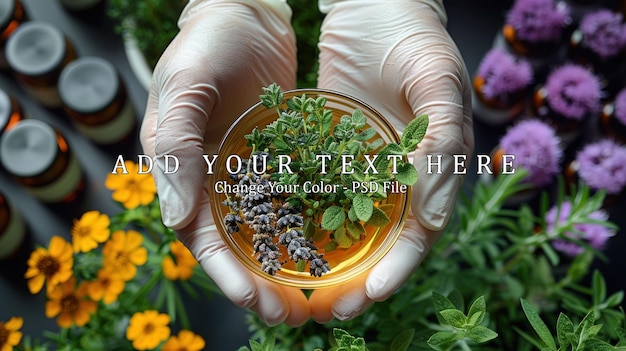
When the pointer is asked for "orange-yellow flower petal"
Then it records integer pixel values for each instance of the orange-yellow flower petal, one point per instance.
(180, 264)
(148, 329)
(10, 334)
(185, 341)
(53, 265)
(131, 189)
(107, 287)
(90, 230)
(123, 253)
(69, 304)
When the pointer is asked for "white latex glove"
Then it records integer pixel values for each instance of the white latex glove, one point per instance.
(398, 57)
(210, 73)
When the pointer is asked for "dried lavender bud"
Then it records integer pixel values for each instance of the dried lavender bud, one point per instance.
(319, 266)
(232, 222)
(290, 220)
(286, 237)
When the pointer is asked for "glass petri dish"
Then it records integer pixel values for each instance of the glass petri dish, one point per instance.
(345, 264)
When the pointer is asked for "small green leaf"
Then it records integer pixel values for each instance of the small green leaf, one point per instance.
(358, 118)
(441, 302)
(352, 214)
(365, 135)
(301, 265)
(414, 132)
(407, 174)
(599, 288)
(538, 325)
(402, 341)
(378, 218)
(330, 246)
(255, 346)
(442, 341)
(477, 311)
(269, 343)
(596, 345)
(355, 229)
(480, 334)
(363, 207)
(391, 149)
(341, 238)
(564, 327)
(454, 317)
(333, 217)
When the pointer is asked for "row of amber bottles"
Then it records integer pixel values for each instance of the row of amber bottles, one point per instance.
(45, 63)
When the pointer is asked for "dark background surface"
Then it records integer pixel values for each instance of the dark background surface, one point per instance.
(473, 25)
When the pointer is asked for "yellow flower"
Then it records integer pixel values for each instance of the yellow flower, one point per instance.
(131, 188)
(180, 266)
(53, 265)
(123, 253)
(106, 288)
(92, 228)
(148, 329)
(10, 334)
(185, 341)
(70, 304)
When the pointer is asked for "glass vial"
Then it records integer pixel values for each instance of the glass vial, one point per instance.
(37, 52)
(37, 156)
(10, 112)
(95, 98)
(12, 15)
(12, 230)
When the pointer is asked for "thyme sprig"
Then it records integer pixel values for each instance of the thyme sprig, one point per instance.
(318, 148)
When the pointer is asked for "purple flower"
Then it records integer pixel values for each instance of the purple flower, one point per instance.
(573, 91)
(537, 149)
(503, 74)
(604, 33)
(596, 235)
(602, 165)
(620, 106)
(538, 20)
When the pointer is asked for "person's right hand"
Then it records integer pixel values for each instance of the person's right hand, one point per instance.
(211, 73)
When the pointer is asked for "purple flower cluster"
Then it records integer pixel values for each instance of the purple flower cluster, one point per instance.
(537, 149)
(539, 20)
(620, 106)
(604, 32)
(596, 235)
(573, 91)
(503, 74)
(602, 165)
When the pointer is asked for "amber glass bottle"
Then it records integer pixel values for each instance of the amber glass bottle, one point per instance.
(12, 15)
(94, 97)
(37, 156)
(37, 52)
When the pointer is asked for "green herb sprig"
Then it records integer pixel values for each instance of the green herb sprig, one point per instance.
(305, 132)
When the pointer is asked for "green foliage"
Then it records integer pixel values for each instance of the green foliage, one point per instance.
(525, 296)
(306, 21)
(152, 23)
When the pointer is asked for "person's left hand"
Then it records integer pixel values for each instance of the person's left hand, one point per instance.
(398, 57)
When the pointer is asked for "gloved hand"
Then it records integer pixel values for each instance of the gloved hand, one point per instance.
(211, 73)
(398, 57)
